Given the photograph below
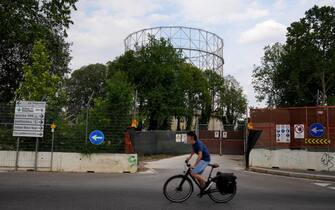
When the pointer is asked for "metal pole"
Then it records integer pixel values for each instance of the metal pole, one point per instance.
(88, 106)
(17, 153)
(220, 147)
(52, 150)
(246, 138)
(86, 126)
(36, 151)
(197, 127)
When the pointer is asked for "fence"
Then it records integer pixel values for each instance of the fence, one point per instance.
(70, 135)
(299, 123)
(230, 140)
(158, 142)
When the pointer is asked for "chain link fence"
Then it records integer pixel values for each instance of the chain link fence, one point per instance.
(70, 135)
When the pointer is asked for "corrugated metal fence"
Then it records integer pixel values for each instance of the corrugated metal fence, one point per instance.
(301, 122)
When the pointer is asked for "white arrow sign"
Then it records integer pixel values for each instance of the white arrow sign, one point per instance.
(316, 130)
(95, 137)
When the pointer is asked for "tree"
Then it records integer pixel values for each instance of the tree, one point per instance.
(215, 87)
(22, 22)
(310, 56)
(194, 94)
(152, 69)
(85, 83)
(295, 74)
(39, 84)
(233, 102)
(111, 112)
(264, 76)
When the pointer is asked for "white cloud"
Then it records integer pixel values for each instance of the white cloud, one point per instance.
(280, 4)
(267, 31)
(220, 11)
(101, 26)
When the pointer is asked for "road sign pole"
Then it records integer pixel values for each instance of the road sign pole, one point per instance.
(52, 150)
(220, 147)
(36, 151)
(17, 153)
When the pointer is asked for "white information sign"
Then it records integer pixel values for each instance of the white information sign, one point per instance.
(178, 137)
(283, 133)
(299, 131)
(224, 134)
(29, 118)
(184, 138)
(216, 134)
(181, 138)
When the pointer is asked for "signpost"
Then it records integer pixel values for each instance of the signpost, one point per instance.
(28, 122)
(283, 133)
(316, 130)
(52, 126)
(299, 131)
(29, 119)
(97, 137)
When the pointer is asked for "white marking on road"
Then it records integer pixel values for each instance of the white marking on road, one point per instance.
(333, 188)
(323, 184)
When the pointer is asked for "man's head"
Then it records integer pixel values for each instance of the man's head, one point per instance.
(191, 137)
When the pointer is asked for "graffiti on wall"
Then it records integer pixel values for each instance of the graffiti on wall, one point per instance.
(132, 160)
(327, 161)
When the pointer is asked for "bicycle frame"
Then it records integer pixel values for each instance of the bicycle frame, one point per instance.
(188, 174)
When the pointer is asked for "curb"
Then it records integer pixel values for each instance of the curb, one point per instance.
(293, 174)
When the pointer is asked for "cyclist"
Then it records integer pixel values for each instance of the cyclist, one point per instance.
(203, 160)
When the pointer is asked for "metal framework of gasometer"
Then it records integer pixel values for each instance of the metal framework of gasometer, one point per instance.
(201, 48)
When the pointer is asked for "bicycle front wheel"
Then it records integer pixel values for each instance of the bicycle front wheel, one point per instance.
(219, 197)
(178, 188)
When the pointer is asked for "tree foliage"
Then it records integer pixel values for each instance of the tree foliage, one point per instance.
(264, 76)
(304, 66)
(153, 71)
(84, 83)
(39, 84)
(233, 102)
(22, 22)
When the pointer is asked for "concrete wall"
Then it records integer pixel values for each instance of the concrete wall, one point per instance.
(71, 162)
(293, 159)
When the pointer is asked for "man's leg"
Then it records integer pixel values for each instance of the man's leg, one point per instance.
(201, 180)
(197, 171)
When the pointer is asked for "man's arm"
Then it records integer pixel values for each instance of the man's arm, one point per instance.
(189, 158)
(199, 158)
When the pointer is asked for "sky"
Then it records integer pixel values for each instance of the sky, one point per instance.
(246, 26)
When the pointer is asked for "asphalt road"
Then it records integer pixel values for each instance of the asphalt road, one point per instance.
(30, 190)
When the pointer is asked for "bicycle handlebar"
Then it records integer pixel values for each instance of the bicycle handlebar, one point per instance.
(187, 164)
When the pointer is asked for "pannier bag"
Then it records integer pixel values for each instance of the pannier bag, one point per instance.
(225, 182)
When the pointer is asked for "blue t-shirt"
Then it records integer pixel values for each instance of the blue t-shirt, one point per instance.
(200, 146)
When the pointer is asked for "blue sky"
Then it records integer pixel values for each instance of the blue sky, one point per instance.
(246, 26)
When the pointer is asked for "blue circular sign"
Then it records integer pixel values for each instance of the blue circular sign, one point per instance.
(97, 137)
(316, 130)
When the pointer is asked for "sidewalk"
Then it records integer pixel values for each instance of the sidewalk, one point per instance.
(318, 175)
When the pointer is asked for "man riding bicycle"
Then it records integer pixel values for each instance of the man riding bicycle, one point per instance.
(203, 159)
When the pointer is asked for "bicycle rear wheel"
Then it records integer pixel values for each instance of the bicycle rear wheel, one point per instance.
(178, 188)
(219, 197)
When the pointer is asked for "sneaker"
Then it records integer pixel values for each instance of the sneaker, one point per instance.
(208, 186)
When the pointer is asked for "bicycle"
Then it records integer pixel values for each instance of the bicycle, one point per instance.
(181, 185)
